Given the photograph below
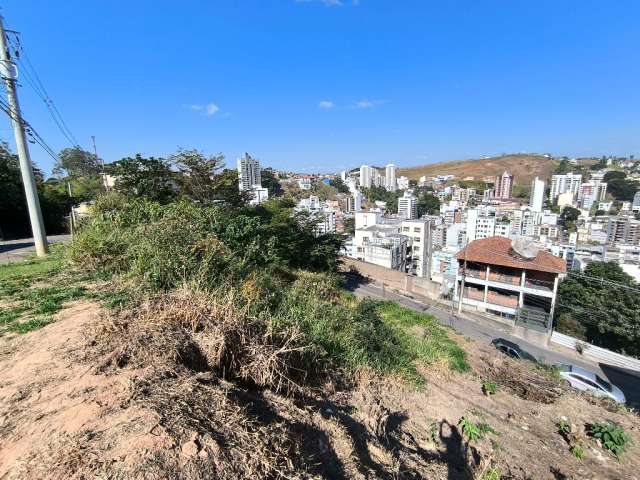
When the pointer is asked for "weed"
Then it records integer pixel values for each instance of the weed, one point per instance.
(577, 451)
(564, 427)
(611, 437)
(492, 474)
(433, 432)
(489, 387)
(474, 431)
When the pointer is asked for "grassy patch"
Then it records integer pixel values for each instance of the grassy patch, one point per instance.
(31, 304)
(424, 336)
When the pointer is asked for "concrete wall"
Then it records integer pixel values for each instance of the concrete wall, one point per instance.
(395, 280)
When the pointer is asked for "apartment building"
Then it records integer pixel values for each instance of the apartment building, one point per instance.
(419, 253)
(623, 230)
(390, 177)
(408, 206)
(566, 183)
(322, 214)
(500, 281)
(503, 186)
(537, 195)
(249, 174)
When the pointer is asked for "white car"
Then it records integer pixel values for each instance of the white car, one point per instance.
(587, 381)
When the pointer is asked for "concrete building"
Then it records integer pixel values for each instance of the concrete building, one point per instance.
(323, 215)
(304, 183)
(503, 186)
(403, 183)
(365, 176)
(408, 206)
(419, 254)
(390, 177)
(499, 281)
(567, 183)
(635, 206)
(248, 172)
(623, 230)
(258, 195)
(590, 193)
(537, 195)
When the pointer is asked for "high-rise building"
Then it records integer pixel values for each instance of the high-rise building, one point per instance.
(365, 176)
(248, 172)
(635, 206)
(408, 206)
(537, 195)
(402, 183)
(503, 186)
(357, 202)
(343, 175)
(567, 183)
(390, 177)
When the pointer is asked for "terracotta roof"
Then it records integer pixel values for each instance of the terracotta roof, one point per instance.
(498, 251)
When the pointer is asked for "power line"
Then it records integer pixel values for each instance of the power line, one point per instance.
(33, 79)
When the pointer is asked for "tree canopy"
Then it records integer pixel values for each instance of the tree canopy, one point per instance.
(601, 306)
(76, 162)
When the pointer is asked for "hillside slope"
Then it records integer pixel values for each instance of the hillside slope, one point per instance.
(524, 167)
(71, 411)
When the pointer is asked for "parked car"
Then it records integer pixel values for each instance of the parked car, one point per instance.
(512, 349)
(587, 381)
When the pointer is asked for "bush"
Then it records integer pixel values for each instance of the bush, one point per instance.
(489, 387)
(611, 437)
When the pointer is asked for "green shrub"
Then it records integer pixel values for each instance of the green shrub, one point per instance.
(472, 430)
(489, 387)
(577, 451)
(612, 437)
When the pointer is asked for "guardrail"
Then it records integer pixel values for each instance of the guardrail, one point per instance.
(596, 353)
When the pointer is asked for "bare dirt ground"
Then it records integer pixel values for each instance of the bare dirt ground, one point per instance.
(68, 411)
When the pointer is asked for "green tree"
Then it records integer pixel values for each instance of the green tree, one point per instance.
(428, 204)
(619, 186)
(197, 174)
(271, 183)
(563, 167)
(569, 217)
(603, 303)
(349, 225)
(339, 185)
(76, 162)
(150, 178)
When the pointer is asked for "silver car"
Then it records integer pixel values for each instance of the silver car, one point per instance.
(587, 381)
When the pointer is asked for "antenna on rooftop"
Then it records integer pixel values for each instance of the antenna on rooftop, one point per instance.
(525, 247)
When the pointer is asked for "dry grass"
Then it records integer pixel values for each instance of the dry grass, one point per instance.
(524, 167)
(206, 332)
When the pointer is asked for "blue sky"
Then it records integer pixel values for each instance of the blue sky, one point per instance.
(325, 85)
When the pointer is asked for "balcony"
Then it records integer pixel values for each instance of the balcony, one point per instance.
(539, 284)
(503, 300)
(504, 278)
(481, 274)
(492, 297)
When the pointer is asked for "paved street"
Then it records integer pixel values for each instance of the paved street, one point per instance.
(487, 330)
(16, 250)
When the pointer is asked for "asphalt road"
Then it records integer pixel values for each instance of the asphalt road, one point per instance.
(16, 250)
(487, 330)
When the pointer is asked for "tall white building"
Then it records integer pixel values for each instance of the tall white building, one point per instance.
(357, 202)
(537, 195)
(408, 206)
(365, 176)
(503, 186)
(403, 183)
(567, 183)
(248, 173)
(390, 177)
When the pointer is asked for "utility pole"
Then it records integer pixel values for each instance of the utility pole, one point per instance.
(464, 274)
(26, 168)
(95, 153)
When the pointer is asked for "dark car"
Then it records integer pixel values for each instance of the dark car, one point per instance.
(512, 349)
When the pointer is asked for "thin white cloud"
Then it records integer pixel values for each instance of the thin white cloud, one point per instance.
(325, 104)
(328, 3)
(207, 109)
(211, 109)
(363, 104)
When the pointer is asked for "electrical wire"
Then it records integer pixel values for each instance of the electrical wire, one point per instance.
(30, 74)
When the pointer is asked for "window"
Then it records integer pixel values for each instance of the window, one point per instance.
(416, 229)
(405, 229)
(416, 239)
(416, 248)
(359, 249)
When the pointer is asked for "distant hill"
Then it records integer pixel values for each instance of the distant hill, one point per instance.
(524, 167)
